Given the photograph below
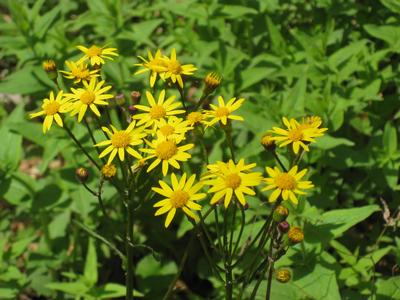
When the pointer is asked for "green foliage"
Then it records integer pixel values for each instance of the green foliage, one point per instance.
(336, 59)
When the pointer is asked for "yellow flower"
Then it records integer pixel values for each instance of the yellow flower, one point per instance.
(288, 184)
(212, 81)
(195, 118)
(313, 122)
(229, 178)
(155, 64)
(223, 111)
(173, 128)
(121, 141)
(96, 54)
(52, 107)
(109, 170)
(175, 69)
(182, 194)
(166, 152)
(157, 111)
(49, 65)
(79, 72)
(300, 135)
(91, 95)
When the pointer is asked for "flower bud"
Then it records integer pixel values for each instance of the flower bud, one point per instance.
(120, 99)
(132, 109)
(246, 206)
(49, 66)
(212, 81)
(284, 226)
(135, 97)
(82, 174)
(268, 142)
(295, 235)
(109, 170)
(280, 213)
(282, 275)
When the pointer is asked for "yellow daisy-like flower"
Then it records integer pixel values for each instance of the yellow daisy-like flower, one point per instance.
(79, 72)
(157, 111)
(299, 135)
(313, 122)
(91, 95)
(173, 128)
(286, 184)
(223, 111)
(97, 54)
(167, 152)
(182, 194)
(229, 178)
(195, 118)
(155, 64)
(175, 69)
(51, 108)
(121, 141)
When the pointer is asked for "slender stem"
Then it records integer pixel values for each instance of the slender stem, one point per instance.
(180, 269)
(279, 161)
(227, 260)
(242, 223)
(232, 229)
(129, 249)
(201, 101)
(80, 146)
(228, 134)
(90, 131)
(271, 267)
(217, 229)
(100, 238)
(182, 98)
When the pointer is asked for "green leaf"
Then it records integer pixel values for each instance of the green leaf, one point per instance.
(90, 271)
(390, 139)
(44, 23)
(33, 78)
(237, 11)
(388, 33)
(329, 142)
(73, 288)
(388, 287)
(342, 219)
(393, 5)
(113, 290)
(278, 44)
(293, 105)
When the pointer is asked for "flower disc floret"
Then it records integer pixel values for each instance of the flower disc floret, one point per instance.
(179, 198)
(166, 150)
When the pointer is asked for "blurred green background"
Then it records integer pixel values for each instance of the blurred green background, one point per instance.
(338, 59)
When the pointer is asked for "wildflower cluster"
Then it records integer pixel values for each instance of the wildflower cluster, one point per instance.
(158, 139)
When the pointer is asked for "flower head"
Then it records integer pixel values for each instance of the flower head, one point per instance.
(299, 135)
(268, 142)
(283, 275)
(49, 65)
(121, 141)
(167, 152)
(92, 94)
(229, 178)
(295, 235)
(223, 111)
(109, 170)
(175, 69)
(182, 194)
(212, 81)
(157, 111)
(79, 72)
(195, 118)
(156, 64)
(288, 184)
(173, 128)
(51, 108)
(96, 55)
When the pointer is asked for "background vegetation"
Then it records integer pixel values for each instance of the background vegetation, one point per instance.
(336, 59)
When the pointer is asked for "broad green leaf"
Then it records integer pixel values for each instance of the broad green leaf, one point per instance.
(388, 33)
(329, 142)
(90, 271)
(389, 288)
(293, 104)
(393, 5)
(390, 139)
(73, 288)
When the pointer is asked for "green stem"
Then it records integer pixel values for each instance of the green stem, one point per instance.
(271, 267)
(227, 260)
(243, 222)
(228, 134)
(100, 238)
(182, 98)
(181, 265)
(280, 162)
(129, 249)
(80, 146)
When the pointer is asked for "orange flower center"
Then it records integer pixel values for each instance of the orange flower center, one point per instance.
(93, 51)
(120, 139)
(295, 134)
(179, 198)
(165, 150)
(157, 112)
(87, 97)
(285, 181)
(167, 130)
(233, 181)
(222, 112)
(51, 108)
(174, 67)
